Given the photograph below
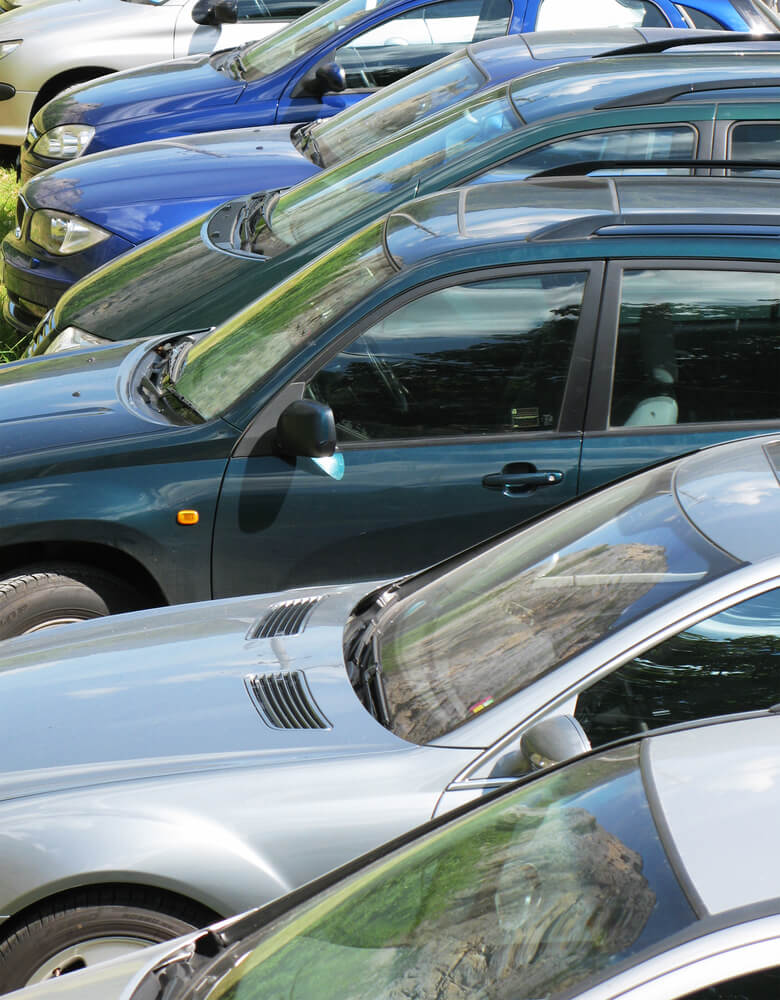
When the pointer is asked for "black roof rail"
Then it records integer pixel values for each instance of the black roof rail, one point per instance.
(660, 95)
(722, 38)
(583, 167)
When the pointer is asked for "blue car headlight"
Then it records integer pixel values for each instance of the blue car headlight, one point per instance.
(64, 142)
(63, 234)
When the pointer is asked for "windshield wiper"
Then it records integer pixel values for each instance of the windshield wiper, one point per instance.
(158, 382)
(364, 667)
(307, 145)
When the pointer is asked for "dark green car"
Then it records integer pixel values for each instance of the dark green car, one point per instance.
(701, 104)
(449, 371)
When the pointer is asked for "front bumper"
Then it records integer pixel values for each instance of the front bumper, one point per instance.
(15, 117)
(35, 280)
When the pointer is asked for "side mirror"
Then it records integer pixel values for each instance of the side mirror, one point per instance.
(328, 78)
(306, 428)
(553, 740)
(215, 12)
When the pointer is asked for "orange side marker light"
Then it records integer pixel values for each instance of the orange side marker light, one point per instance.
(187, 517)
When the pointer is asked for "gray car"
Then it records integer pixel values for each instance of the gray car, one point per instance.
(615, 876)
(166, 768)
(47, 46)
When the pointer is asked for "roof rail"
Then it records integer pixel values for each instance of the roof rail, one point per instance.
(584, 167)
(660, 95)
(722, 38)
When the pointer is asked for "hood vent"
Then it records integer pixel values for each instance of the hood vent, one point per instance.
(285, 702)
(287, 618)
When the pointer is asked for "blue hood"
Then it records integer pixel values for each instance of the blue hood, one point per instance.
(141, 191)
(162, 88)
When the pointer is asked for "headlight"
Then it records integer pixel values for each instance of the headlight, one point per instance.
(64, 142)
(72, 338)
(63, 234)
(6, 48)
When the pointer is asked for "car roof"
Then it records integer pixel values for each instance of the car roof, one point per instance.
(570, 208)
(715, 792)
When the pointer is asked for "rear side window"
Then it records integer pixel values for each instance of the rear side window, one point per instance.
(697, 346)
(698, 18)
(755, 141)
(562, 15)
(257, 10)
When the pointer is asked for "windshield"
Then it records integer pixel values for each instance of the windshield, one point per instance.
(549, 886)
(395, 167)
(306, 33)
(242, 352)
(393, 108)
(477, 633)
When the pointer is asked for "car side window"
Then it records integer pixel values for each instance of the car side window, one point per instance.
(696, 346)
(698, 19)
(489, 357)
(659, 142)
(763, 985)
(755, 141)
(254, 10)
(563, 15)
(727, 663)
(418, 37)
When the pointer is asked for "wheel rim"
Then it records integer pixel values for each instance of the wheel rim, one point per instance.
(53, 623)
(84, 954)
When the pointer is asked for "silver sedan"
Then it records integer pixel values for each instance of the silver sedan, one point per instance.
(169, 767)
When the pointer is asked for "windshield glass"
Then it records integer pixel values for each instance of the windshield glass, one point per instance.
(547, 887)
(241, 352)
(479, 632)
(303, 35)
(396, 107)
(395, 167)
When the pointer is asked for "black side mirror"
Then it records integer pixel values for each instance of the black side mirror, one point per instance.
(306, 428)
(215, 12)
(328, 78)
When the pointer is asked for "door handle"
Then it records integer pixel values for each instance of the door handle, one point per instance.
(519, 478)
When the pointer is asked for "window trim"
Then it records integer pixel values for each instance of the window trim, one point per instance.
(600, 400)
(572, 413)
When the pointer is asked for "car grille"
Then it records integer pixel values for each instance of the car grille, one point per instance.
(22, 211)
(287, 618)
(284, 701)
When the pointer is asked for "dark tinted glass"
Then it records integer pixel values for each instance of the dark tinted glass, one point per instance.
(252, 10)
(699, 19)
(763, 985)
(755, 141)
(728, 663)
(484, 358)
(655, 143)
(697, 346)
(410, 41)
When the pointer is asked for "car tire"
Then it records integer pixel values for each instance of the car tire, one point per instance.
(36, 600)
(89, 927)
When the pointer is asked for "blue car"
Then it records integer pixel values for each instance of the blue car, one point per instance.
(325, 61)
(113, 201)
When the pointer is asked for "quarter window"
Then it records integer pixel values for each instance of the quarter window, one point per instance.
(657, 143)
(483, 358)
(698, 19)
(560, 15)
(390, 51)
(728, 663)
(697, 346)
(755, 141)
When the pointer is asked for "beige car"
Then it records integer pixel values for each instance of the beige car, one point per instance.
(47, 46)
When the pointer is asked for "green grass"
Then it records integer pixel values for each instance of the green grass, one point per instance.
(10, 345)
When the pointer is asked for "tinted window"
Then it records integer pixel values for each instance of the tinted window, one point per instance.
(763, 985)
(728, 663)
(698, 18)
(565, 14)
(657, 143)
(398, 47)
(484, 358)
(251, 10)
(755, 141)
(697, 346)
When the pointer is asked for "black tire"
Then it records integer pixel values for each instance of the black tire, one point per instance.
(38, 599)
(142, 916)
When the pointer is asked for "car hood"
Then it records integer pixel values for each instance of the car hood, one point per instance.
(139, 192)
(66, 399)
(166, 691)
(167, 87)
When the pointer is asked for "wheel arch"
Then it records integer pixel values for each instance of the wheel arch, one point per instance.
(67, 78)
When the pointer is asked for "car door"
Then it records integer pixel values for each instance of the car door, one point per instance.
(391, 49)
(687, 356)
(458, 415)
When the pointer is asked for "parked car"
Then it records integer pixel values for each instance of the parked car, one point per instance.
(162, 769)
(201, 273)
(456, 365)
(126, 196)
(327, 61)
(49, 46)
